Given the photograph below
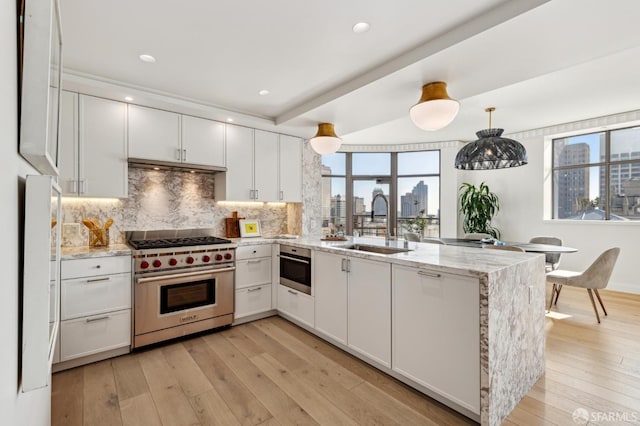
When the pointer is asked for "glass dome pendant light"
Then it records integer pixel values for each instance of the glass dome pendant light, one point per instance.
(325, 141)
(491, 151)
(435, 109)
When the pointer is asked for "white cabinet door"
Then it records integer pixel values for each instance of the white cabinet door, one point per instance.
(252, 300)
(90, 335)
(297, 305)
(266, 166)
(330, 294)
(68, 149)
(103, 147)
(203, 141)
(436, 323)
(237, 183)
(369, 309)
(154, 134)
(290, 169)
(250, 272)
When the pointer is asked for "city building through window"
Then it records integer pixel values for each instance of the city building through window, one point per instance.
(408, 182)
(596, 176)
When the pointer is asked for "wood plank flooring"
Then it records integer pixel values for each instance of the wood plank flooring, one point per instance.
(271, 372)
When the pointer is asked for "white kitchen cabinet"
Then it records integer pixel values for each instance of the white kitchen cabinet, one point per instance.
(290, 169)
(253, 280)
(436, 323)
(154, 134)
(93, 146)
(295, 304)
(330, 292)
(237, 183)
(369, 309)
(353, 303)
(95, 308)
(163, 136)
(265, 164)
(203, 141)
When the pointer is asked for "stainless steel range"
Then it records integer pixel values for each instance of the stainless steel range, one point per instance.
(183, 283)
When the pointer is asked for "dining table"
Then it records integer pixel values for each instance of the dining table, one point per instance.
(528, 247)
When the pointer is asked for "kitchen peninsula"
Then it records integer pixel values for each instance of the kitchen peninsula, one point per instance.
(463, 325)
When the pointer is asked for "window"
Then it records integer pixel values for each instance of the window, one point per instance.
(597, 176)
(410, 182)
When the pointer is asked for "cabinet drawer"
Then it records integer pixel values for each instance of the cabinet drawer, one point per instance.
(296, 304)
(94, 295)
(251, 272)
(251, 252)
(253, 300)
(86, 336)
(75, 268)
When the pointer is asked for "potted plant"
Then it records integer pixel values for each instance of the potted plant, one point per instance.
(416, 224)
(478, 205)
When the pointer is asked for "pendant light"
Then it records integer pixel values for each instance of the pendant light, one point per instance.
(435, 109)
(325, 141)
(491, 151)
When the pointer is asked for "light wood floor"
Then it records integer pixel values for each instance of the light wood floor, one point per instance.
(271, 372)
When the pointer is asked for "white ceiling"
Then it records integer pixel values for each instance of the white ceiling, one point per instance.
(539, 62)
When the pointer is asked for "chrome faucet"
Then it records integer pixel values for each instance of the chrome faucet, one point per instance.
(386, 202)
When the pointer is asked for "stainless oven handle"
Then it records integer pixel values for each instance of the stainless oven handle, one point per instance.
(293, 258)
(183, 275)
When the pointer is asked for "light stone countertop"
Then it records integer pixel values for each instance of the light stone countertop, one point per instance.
(454, 259)
(85, 252)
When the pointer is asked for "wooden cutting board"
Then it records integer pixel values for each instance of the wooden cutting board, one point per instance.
(232, 225)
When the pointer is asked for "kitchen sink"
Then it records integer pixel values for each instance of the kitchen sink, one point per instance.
(374, 249)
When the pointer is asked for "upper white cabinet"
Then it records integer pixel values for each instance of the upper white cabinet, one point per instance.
(154, 134)
(436, 323)
(261, 166)
(290, 170)
(265, 160)
(353, 303)
(203, 141)
(158, 135)
(93, 146)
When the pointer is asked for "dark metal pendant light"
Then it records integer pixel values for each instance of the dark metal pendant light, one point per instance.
(491, 151)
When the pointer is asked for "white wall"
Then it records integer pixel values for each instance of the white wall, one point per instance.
(522, 197)
(15, 408)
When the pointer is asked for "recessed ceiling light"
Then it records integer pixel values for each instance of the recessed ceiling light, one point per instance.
(156, 168)
(128, 98)
(193, 171)
(147, 58)
(361, 27)
(230, 120)
(263, 92)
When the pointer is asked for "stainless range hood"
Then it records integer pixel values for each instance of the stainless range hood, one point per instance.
(168, 165)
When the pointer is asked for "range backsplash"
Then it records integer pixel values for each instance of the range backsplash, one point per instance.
(171, 199)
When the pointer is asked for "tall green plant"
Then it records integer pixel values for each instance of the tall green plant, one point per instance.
(478, 205)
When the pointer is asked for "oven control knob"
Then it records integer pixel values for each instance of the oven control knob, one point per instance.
(144, 264)
(218, 257)
(205, 258)
(228, 256)
(157, 263)
(173, 262)
(190, 260)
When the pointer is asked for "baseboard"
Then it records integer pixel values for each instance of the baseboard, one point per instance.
(624, 287)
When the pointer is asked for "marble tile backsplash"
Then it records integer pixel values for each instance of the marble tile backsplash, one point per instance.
(171, 199)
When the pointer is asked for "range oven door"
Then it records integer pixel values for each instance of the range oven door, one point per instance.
(295, 271)
(171, 300)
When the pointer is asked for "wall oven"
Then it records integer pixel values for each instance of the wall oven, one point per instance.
(295, 268)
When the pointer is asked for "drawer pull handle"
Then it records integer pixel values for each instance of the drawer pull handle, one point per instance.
(254, 261)
(292, 292)
(281, 256)
(97, 266)
(251, 290)
(97, 318)
(429, 274)
(97, 280)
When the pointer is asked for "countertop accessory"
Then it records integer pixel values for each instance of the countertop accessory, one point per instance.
(491, 151)
(325, 141)
(435, 109)
(232, 228)
(98, 234)
(249, 228)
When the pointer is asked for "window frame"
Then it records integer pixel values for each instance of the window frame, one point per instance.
(393, 186)
(606, 165)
